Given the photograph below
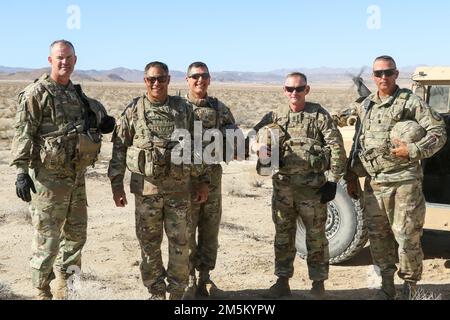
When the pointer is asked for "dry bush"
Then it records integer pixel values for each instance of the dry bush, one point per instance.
(422, 294)
(248, 103)
(6, 128)
(239, 188)
(6, 293)
(87, 285)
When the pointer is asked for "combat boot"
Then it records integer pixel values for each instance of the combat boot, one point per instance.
(388, 287)
(279, 289)
(191, 289)
(44, 293)
(318, 289)
(61, 291)
(409, 290)
(204, 284)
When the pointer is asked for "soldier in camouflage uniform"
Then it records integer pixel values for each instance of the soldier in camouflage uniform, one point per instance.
(313, 145)
(57, 136)
(213, 114)
(142, 142)
(395, 175)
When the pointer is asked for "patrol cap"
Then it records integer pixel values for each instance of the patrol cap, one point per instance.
(407, 131)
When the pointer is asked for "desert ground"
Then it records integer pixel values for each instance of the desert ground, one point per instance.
(245, 263)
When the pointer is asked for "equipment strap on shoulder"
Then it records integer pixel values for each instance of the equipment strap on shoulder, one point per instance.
(368, 104)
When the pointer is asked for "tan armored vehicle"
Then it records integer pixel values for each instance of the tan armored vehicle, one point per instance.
(346, 228)
(433, 85)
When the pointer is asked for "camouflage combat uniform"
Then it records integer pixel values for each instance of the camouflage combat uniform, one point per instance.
(206, 216)
(46, 140)
(397, 183)
(315, 145)
(162, 190)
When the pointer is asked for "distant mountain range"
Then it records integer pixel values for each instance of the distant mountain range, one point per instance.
(315, 75)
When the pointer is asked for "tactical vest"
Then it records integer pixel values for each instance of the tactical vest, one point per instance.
(65, 143)
(375, 141)
(303, 151)
(208, 113)
(150, 152)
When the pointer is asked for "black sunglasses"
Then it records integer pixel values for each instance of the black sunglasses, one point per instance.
(197, 76)
(297, 89)
(160, 79)
(387, 73)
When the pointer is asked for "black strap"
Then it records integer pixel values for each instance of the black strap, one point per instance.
(86, 109)
(368, 107)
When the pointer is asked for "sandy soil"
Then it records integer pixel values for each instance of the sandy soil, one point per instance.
(245, 261)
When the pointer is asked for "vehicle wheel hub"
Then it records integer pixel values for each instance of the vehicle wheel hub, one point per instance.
(333, 220)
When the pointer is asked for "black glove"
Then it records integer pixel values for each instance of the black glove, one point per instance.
(328, 191)
(107, 124)
(23, 186)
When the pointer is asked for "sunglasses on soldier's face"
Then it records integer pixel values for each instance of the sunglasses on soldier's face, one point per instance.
(160, 79)
(387, 73)
(197, 76)
(297, 89)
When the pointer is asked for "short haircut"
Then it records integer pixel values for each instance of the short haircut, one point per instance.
(386, 58)
(197, 64)
(65, 42)
(297, 74)
(156, 64)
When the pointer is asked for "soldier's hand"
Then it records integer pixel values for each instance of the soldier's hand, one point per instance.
(353, 188)
(328, 191)
(201, 193)
(264, 152)
(120, 198)
(401, 150)
(23, 186)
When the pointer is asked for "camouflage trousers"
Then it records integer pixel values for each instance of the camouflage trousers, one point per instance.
(204, 231)
(397, 216)
(289, 203)
(59, 217)
(171, 212)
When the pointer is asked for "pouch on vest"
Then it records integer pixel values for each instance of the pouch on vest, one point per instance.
(160, 162)
(273, 136)
(303, 156)
(53, 153)
(153, 162)
(319, 159)
(86, 152)
(136, 160)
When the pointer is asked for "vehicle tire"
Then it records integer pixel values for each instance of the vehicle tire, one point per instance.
(345, 229)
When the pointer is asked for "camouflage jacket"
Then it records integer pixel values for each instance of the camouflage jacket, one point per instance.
(377, 119)
(129, 131)
(46, 108)
(213, 114)
(313, 128)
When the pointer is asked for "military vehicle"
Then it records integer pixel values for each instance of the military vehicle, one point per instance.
(346, 229)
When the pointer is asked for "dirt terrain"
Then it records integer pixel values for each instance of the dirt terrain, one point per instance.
(245, 263)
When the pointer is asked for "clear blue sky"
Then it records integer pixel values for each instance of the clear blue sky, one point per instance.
(227, 35)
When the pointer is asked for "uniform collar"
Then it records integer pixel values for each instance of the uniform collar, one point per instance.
(155, 104)
(287, 108)
(376, 99)
(199, 102)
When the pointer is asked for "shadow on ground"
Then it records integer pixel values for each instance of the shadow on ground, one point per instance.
(434, 245)
(435, 291)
